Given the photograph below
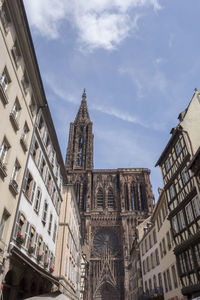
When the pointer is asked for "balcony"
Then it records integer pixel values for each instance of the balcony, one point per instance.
(13, 186)
(3, 170)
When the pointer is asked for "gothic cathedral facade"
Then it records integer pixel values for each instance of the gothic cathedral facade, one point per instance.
(112, 203)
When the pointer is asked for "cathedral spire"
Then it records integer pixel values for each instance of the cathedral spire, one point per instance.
(83, 114)
(80, 143)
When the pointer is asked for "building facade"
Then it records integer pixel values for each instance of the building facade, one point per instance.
(181, 190)
(169, 284)
(29, 267)
(110, 202)
(150, 262)
(69, 253)
(31, 165)
(20, 95)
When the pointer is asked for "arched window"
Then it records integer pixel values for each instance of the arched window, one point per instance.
(126, 196)
(100, 198)
(80, 152)
(143, 197)
(110, 199)
(84, 197)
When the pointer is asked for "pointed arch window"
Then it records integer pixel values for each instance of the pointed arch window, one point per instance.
(80, 151)
(132, 198)
(100, 198)
(126, 197)
(110, 199)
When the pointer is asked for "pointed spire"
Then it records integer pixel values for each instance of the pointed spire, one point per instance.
(84, 96)
(83, 114)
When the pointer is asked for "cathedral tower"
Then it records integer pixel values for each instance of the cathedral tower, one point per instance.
(112, 202)
(80, 144)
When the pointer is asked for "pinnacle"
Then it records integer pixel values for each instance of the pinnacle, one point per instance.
(84, 96)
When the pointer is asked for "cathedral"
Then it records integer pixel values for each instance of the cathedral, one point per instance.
(112, 202)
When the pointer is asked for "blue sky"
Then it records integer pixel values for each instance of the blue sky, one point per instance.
(139, 61)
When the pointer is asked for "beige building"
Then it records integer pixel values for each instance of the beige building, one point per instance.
(20, 95)
(150, 262)
(69, 254)
(169, 281)
(181, 191)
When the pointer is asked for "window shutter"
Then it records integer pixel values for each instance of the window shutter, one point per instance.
(27, 234)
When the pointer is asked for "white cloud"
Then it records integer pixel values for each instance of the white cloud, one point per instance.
(145, 80)
(99, 23)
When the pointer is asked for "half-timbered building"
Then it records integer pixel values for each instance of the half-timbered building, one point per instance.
(180, 187)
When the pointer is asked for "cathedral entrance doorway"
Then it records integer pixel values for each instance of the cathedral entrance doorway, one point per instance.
(107, 292)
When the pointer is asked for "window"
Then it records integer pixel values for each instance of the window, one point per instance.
(197, 254)
(154, 237)
(4, 151)
(25, 132)
(39, 247)
(110, 199)
(32, 106)
(29, 186)
(160, 280)
(15, 53)
(152, 261)
(174, 277)
(172, 192)
(20, 224)
(196, 206)
(100, 198)
(16, 109)
(164, 246)
(50, 223)
(35, 148)
(167, 164)
(178, 148)
(185, 176)
(54, 232)
(4, 18)
(174, 225)
(181, 220)
(44, 217)
(161, 250)
(4, 219)
(169, 280)
(169, 241)
(150, 244)
(154, 282)
(25, 82)
(157, 257)
(5, 79)
(189, 213)
(24, 136)
(15, 173)
(165, 281)
(38, 200)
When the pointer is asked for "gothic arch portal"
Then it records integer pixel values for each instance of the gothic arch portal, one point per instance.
(107, 292)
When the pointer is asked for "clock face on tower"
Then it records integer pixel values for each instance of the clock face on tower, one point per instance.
(106, 242)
